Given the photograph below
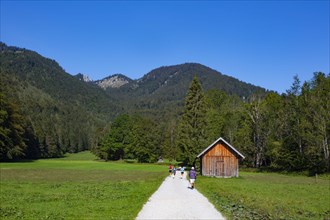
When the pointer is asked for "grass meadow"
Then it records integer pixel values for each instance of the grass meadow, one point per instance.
(76, 187)
(80, 187)
(268, 196)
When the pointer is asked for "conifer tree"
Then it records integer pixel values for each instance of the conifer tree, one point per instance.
(12, 145)
(191, 137)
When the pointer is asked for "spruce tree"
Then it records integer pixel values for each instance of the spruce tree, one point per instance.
(191, 137)
(12, 123)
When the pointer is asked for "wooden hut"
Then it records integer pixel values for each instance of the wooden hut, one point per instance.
(220, 159)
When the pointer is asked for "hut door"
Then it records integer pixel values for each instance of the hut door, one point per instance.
(220, 167)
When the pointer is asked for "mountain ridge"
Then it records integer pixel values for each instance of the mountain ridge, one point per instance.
(69, 113)
(48, 95)
(161, 85)
(113, 81)
(165, 74)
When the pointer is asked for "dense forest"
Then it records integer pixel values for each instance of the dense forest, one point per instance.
(172, 112)
(288, 132)
(62, 113)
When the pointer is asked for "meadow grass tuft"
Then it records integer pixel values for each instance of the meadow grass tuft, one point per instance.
(76, 187)
(268, 196)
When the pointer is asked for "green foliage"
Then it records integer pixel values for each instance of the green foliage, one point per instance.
(46, 112)
(288, 132)
(114, 145)
(299, 123)
(61, 113)
(192, 135)
(168, 140)
(65, 114)
(145, 140)
(161, 93)
(12, 129)
(224, 114)
(130, 137)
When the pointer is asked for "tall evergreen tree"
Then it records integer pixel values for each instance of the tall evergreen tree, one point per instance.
(191, 137)
(169, 148)
(216, 114)
(12, 145)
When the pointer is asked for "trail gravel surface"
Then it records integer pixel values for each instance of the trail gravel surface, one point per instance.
(176, 200)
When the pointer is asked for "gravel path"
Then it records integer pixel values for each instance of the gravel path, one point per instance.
(175, 200)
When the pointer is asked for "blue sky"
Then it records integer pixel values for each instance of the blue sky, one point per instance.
(264, 43)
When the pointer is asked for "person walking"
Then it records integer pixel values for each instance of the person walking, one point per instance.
(182, 171)
(170, 169)
(192, 177)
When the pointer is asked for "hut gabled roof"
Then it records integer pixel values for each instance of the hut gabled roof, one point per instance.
(225, 142)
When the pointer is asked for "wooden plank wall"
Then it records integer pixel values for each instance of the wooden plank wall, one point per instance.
(219, 161)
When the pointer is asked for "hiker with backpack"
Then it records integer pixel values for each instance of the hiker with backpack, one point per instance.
(192, 177)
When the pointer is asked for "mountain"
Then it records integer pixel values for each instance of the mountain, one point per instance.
(178, 77)
(63, 111)
(83, 77)
(69, 113)
(49, 77)
(162, 91)
(114, 81)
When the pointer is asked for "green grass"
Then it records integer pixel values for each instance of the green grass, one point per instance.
(85, 155)
(268, 196)
(76, 187)
(79, 186)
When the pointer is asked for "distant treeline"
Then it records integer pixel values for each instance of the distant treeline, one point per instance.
(280, 132)
(288, 132)
(45, 112)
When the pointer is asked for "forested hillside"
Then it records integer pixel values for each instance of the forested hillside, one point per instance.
(161, 92)
(61, 113)
(288, 132)
(171, 112)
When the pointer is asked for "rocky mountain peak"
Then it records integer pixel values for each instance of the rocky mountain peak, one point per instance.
(83, 77)
(114, 81)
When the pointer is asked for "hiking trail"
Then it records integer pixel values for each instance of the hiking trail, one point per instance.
(175, 200)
